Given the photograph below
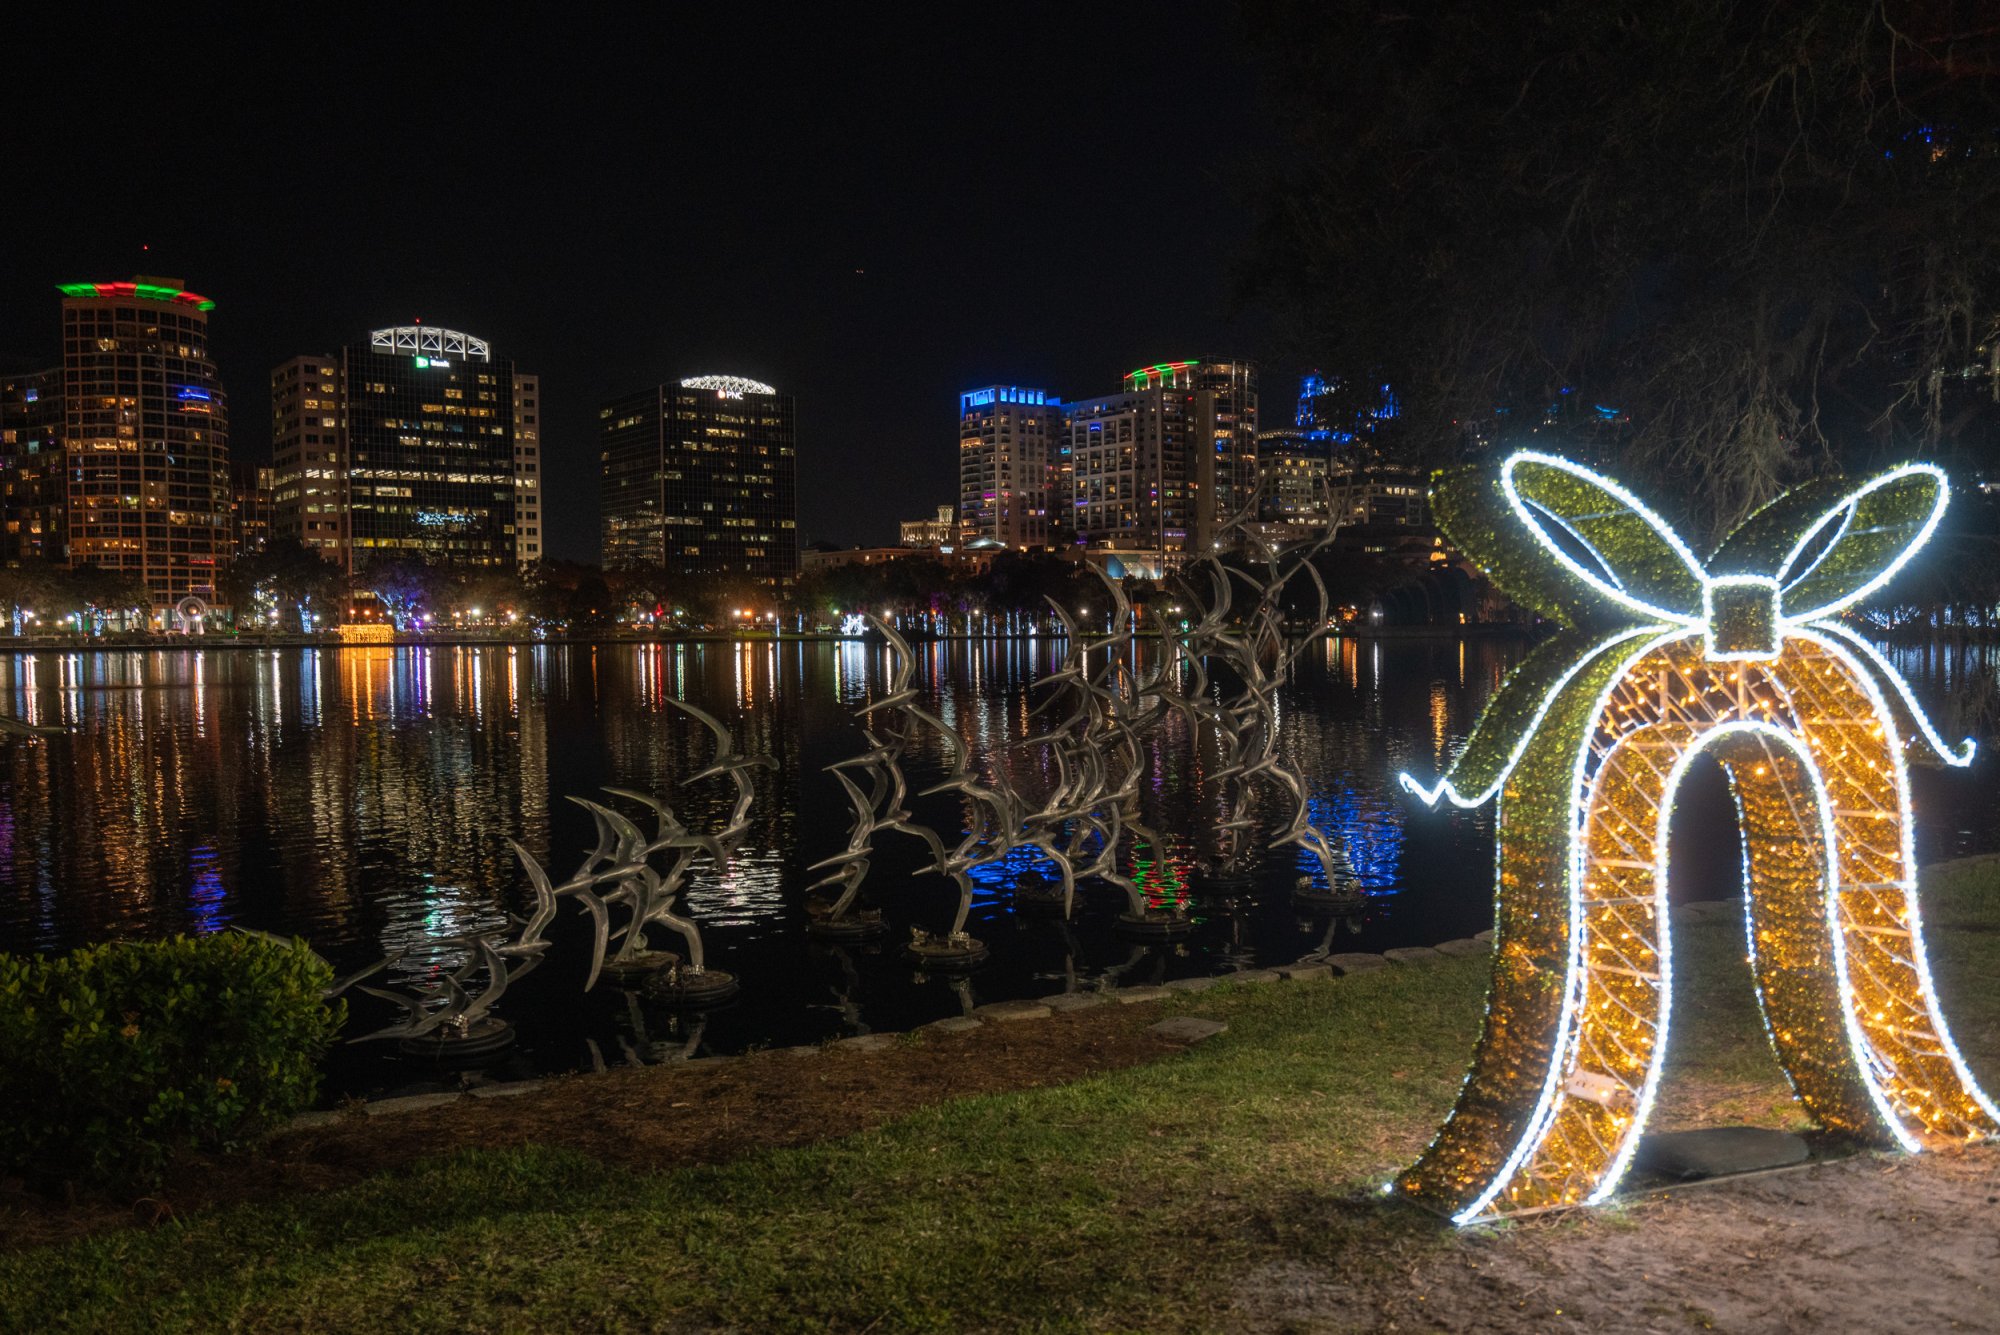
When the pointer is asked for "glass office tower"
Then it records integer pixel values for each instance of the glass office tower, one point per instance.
(700, 477)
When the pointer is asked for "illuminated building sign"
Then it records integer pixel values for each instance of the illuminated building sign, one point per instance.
(423, 363)
(429, 340)
(1665, 658)
(727, 386)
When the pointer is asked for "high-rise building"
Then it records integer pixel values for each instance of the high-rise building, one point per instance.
(145, 437)
(1125, 486)
(1009, 451)
(410, 443)
(1154, 471)
(1339, 456)
(1293, 468)
(31, 468)
(251, 487)
(309, 474)
(527, 468)
(1218, 401)
(701, 478)
(1361, 421)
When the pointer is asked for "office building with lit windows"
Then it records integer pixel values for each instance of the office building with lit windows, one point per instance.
(309, 473)
(527, 468)
(415, 442)
(144, 438)
(1293, 470)
(31, 468)
(1009, 466)
(1151, 473)
(938, 531)
(700, 478)
(1348, 432)
(251, 491)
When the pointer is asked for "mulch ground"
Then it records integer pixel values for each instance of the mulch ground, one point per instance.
(641, 1117)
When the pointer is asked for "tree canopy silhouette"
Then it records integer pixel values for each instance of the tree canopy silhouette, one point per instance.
(1757, 234)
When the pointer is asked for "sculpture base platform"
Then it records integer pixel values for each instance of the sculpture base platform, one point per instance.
(1221, 884)
(640, 965)
(1314, 899)
(690, 990)
(863, 926)
(486, 1037)
(1153, 926)
(1039, 897)
(945, 955)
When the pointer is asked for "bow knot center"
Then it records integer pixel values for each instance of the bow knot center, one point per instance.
(1741, 613)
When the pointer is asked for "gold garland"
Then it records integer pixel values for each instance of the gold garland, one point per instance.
(1660, 661)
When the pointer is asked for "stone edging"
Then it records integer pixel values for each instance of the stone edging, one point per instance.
(1007, 1012)
(1188, 1029)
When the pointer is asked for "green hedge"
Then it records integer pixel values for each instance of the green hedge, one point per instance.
(114, 1057)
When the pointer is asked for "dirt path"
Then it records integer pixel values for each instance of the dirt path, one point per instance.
(1871, 1244)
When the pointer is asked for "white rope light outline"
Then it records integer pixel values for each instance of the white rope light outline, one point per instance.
(1844, 511)
(1549, 1104)
(1861, 667)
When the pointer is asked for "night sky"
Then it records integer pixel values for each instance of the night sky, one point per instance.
(872, 208)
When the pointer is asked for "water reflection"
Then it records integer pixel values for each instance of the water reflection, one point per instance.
(361, 797)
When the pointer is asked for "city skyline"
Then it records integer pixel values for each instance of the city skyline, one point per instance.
(321, 446)
(830, 245)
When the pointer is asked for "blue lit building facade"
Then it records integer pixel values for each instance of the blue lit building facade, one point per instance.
(1010, 474)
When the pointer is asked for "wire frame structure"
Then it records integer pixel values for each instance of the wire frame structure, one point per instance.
(1584, 750)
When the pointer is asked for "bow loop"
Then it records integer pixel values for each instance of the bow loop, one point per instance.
(1643, 566)
(1577, 548)
(1829, 544)
(1584, 552)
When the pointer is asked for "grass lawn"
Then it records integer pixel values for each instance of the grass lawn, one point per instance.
(1131, 1200)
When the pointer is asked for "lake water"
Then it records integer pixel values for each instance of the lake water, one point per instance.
(361, 798)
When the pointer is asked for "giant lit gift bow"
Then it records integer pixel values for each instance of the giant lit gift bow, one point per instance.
(1665, 657)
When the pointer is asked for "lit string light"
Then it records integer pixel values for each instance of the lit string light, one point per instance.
(1584, 748)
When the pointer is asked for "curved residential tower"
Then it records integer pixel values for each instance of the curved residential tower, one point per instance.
(145, 437)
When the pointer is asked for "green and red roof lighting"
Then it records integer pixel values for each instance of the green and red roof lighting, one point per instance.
(1161, 374)
(143, 291)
